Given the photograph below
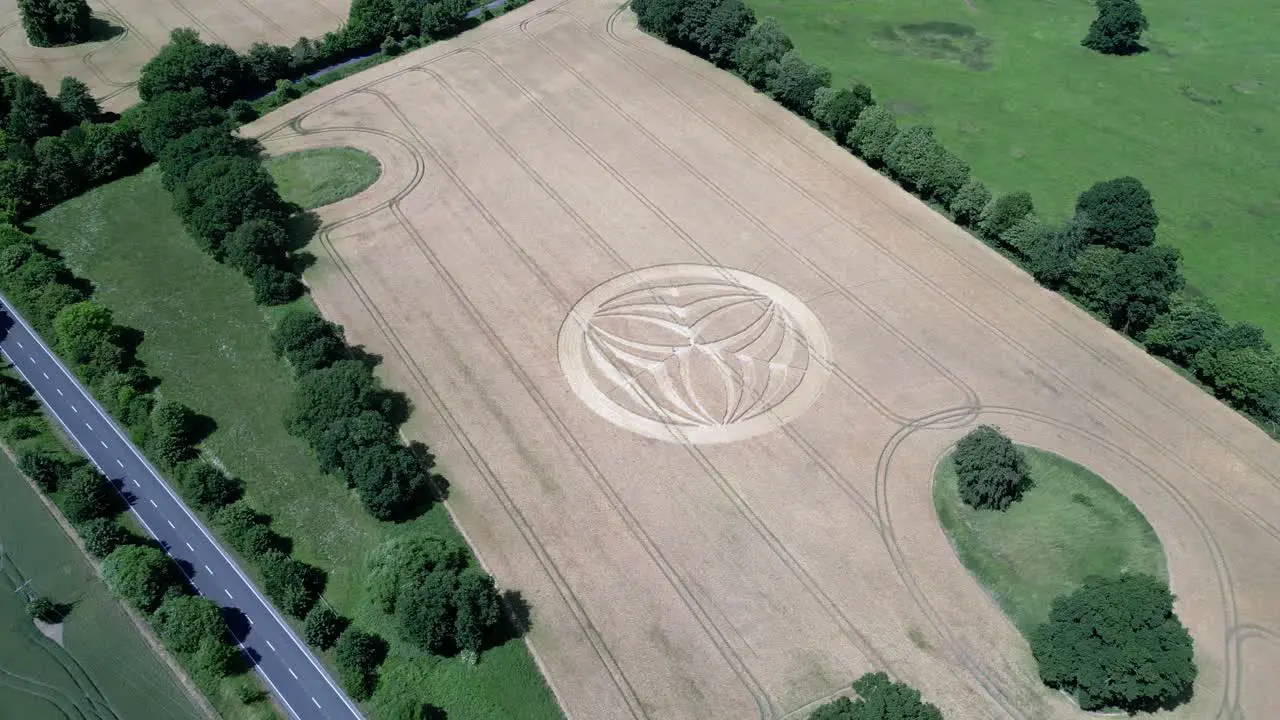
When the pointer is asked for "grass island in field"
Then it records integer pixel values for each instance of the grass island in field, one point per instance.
(315, 178)
(1070, 525)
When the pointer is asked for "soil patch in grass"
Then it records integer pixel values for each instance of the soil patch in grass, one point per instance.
(1071, 525)
(315, 178)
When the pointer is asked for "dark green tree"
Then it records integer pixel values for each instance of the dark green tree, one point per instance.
(879, 698)
(256, 243)
(1190, 326)
(185, 621)
(172, 115)
(969, 202)
(369, 21)
(180, 155)
(1003, 212)
(206, 487)
(990, 470)
(188, 63)
(357, 654)
(76, 102)
(405, 561)
(924, 166)
(107, 151)
(292, 585)
(389, 478)
(659, 17)
(221, 193)
(1129, 289)
(872, 134)
(307, 340)
(60, 176)
(1246, 377)
(32, 113)
(140, 574)
(757, 54)
(274, 285)
(265, 63)
(794, 80)
(18, 191)
(85, 494)
(478, 611)
(1118, 213)
(712, 28)
(245, 529)
(173, 433)
(444, 18)
(836, 111)
(213, 660)
(345, 440)
(344, 389)
(1051, 254)
(323, 626)
(1116, 643)
(55, 22)
(16, 400)
(426, 613)
(46, 467)
(103, 535)
(1118, 28)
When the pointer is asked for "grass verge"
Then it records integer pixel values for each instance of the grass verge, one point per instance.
(103, 668)
(314, 178)
(209, 343)
(1010, 90)
(1072, 524)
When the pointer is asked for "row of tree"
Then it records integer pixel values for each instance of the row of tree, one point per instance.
(1105, 256)
(133, 568)
(350, 420)
(878, 698)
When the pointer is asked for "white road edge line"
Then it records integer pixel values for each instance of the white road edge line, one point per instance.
(306, 651)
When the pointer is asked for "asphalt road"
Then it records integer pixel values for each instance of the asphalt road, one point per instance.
(279, 656)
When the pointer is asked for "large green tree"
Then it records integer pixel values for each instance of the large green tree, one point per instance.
(1192, 324)
(103, 535)
(140, 574)
(206, 487)
(991, 472)
(712, 28)
(837, 110)
(1129, 289)
(172, 115)
(1118, 213)
(256, 243)
(923, 165)
(426, 613)
(1116, 643)
(76, 102)
(292, 585)
(222, 193)
(357, 654)
(32, 113)
(307, 340)
(793, 81)
(323, 626)
(55, 22)
(478, 611)
(1003, 212)
(185, 621)
(344, 389)
(245, 529)
(180, 155)
(872, 134)
(188, 63)
(759, 51)
(85, 494)
(172, 434)
(1118, 28)
(444, 18)
(878, 698)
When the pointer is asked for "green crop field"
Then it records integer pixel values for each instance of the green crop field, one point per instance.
(1010, 90)
(314, 178)
(103, 669)
(1072, 524)
(209, 344)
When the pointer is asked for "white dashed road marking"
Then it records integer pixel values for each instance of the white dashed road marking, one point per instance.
(190, 548)
(171, 524)
(73, 409)
(121, 464)
(153, 504)
(316, 702)
(104, 443)
(86, 424)
(291, 672)
(59, 391)
(45, 374)
(33, 360)
(228, 592)
(19, 344)
(206, 569)
(135, 482)
(273, 647)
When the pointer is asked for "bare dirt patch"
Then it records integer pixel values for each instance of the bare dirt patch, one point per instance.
(556, 174)
(131, 31)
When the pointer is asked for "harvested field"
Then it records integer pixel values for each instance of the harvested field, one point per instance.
(129, 32)
(688, 367)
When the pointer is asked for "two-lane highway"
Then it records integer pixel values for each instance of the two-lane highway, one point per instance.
(297, 678)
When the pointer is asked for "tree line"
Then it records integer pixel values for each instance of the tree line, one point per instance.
(1105, 256)
(1114, 642)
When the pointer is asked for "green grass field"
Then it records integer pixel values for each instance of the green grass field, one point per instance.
(209, 344)
(314, 178)
(104, 670)
(1029, 108)
(1070, 526)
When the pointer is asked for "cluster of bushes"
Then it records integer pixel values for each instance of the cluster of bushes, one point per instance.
(49, 23)
(133, 568)
(879, 698)
(348, 418)
(440, 603)
(1105, 257)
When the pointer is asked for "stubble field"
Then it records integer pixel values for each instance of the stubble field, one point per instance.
(129, 32)
(688, 367)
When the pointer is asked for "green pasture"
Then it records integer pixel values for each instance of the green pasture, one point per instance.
(1009, 89)
(1071, 525)
(103, 670)
(209, 343)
